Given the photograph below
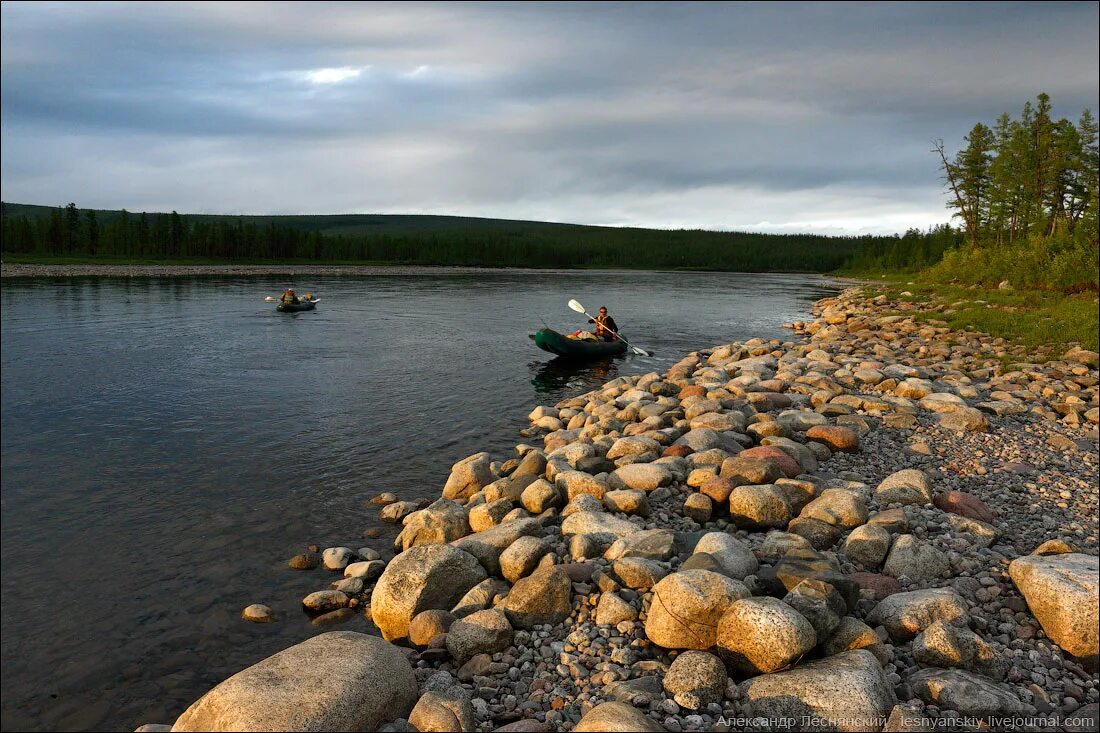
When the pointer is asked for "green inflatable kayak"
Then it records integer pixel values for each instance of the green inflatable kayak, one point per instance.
(554, 342)
(305, 305)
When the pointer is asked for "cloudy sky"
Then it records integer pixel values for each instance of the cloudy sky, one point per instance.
(773, 117)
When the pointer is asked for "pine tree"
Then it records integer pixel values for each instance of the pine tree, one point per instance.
(92, 232)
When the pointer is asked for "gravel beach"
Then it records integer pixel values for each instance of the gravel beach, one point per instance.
(880, 524)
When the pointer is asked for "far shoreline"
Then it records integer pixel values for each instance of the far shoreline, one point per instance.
(30, 270)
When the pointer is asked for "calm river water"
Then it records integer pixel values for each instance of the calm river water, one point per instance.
(167, 444)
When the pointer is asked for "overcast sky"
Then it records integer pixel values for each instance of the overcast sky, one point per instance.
(773, 117)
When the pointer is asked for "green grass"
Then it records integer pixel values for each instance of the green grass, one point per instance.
(1030, 318)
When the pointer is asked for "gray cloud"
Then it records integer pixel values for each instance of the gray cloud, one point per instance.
(771, 116)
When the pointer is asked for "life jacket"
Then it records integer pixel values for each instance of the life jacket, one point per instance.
(289, 299)
(602, 330)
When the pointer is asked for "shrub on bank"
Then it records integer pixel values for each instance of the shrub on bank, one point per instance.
(1061, 263)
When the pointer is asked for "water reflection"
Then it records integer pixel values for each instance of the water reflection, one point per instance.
(168, 444)
(570, 375)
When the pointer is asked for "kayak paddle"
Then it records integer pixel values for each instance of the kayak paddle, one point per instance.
(580, 309)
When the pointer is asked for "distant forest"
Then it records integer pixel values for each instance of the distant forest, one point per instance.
(69, 231)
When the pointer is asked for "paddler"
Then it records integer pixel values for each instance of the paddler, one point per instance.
(606, 328)
(289, 298)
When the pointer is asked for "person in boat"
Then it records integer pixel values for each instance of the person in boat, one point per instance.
(606, 328)
(289, 298)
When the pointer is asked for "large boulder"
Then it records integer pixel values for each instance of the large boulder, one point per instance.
(761, 635)
(613, 717)
(510, 487)
(1062, 592)
(915, 560)
(701, 439)
(423, 577)
(798, 565)
(776, 544)
(481, 596)
(482, 632)
(696, 679)
(942, 402)
(908, 486)
(845, 692)
(468, 476)
(441, 522)
(337, 558)
(634, 446)
(687, 606)
(341, 680)
(543, 597)
(904, 615)
(967, 693)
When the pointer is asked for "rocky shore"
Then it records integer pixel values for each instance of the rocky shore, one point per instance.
(881, 524)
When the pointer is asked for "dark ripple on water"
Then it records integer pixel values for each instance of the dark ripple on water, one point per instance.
(168, 444)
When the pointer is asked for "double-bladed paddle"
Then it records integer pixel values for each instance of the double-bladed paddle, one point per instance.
(580, 309)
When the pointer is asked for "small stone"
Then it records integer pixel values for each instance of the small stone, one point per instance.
(305, 561)
(613, 610)
(258, 613)
(325, 600)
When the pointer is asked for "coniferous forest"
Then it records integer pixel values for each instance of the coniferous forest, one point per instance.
(1024, 193)
(422, 240)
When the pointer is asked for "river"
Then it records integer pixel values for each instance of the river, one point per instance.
(167, 444)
